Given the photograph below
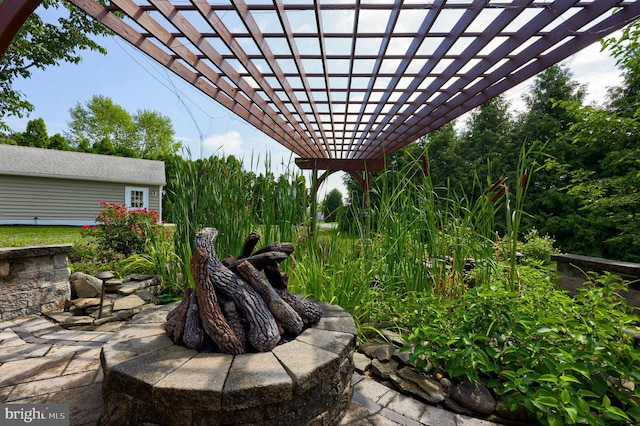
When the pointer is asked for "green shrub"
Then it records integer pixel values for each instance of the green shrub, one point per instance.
(159, 258)
(124, 230)
(88, 257)
(563, 358)
(537, 247)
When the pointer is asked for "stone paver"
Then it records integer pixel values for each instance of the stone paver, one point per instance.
(42, 362)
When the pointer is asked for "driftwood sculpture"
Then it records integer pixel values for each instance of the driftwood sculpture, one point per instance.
(234, 304)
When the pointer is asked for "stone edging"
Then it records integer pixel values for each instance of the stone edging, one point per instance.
(149, 380)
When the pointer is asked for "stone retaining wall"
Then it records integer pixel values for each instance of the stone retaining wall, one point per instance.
(33, 280)
(149, 380)
(574, 269)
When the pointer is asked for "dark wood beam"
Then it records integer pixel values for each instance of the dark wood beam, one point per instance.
(335, 164)
(13, 13)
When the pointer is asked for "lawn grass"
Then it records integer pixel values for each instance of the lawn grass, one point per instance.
(29, 235)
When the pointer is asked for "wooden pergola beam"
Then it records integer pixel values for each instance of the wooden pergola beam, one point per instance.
(13, 14)
(334, 164)
(343, 85)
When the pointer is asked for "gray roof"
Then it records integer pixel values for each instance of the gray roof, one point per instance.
(38, 162)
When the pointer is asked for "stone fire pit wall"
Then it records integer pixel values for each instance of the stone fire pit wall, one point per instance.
(33, 280)
(149, 380)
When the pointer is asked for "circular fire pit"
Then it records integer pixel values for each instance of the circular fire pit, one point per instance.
(149, 380)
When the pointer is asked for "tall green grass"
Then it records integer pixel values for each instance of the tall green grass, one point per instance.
(416, 242)
(219, 192)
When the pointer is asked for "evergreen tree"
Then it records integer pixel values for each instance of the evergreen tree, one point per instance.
(446, 163)
(331, 205)
(487, 146)
(545, 123)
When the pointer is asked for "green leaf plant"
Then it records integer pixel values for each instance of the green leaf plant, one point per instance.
(566, 359)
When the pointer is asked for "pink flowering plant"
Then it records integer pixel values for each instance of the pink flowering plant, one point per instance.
(123, 230)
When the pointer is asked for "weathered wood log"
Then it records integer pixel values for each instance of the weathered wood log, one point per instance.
(249, 244)
(177, 318)
(308, 311)
(259, 261)
(229, 261)
(233, 318)
(283, 247)
(263, 330)
(278, 307)
(193, 335)
(213, 320)
(276, 276)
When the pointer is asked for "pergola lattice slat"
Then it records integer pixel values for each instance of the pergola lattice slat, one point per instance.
(344, 84)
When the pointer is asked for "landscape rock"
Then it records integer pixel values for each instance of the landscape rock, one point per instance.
(474, 396)
(433, 396)
(104, 320)
(383, 369)
(113, 282)
(401, 357)
(129, 302)
(78, 320)
(141, 277)
(384, 352)
(393, 337)
(369, 348)
(107, 309)
(85, 302)
(84, 285)
(147, 296)
(451, 405)
(361, 362)
(503, 410)
(59, 317)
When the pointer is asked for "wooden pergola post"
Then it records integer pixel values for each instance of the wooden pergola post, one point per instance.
(360, 170)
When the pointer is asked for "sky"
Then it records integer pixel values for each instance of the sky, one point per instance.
(135, 82)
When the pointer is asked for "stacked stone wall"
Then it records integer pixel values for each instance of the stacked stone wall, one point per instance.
(33, 280)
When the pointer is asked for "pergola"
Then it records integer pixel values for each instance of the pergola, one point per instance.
(345, 83)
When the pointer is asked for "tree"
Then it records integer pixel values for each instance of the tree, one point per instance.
(155, 134)
(331, 205)
(625, 99)
(487, 145)
(546, 117)
(101, 120)
(59, 142)
(608, 186)
(545, 124)
(446, 162)
(35, 135)
(38, 45)
(109, 129)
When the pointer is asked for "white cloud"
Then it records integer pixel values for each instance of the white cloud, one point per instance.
(226, 144)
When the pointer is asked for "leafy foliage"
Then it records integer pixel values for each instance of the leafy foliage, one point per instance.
(331, 205)
(124, 230)
(158, 258)
(564, 359)
(89, 257)
(103, 127)
(537, 248)
(40, 44)
(218, 192)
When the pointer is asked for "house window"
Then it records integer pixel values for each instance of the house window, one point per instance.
(136, 198)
